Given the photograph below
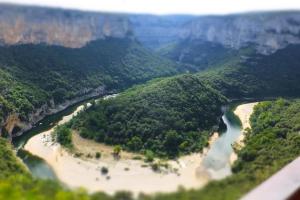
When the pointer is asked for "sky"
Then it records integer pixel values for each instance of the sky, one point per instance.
(168, 6)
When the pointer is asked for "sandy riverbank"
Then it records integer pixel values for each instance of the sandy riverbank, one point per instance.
(243, 112)
(124, 174)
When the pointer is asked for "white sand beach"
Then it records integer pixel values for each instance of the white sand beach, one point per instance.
(243, 112)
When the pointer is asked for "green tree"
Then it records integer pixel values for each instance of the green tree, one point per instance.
(63, 135)
(172, 142)
(135, 144)
(117, 150)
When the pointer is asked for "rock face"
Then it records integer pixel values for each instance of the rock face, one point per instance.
(268, 31)
(155, 31)
(22, 24)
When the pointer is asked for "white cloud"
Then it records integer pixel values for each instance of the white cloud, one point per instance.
(169, 6)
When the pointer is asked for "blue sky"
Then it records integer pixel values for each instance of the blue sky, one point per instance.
(168, 6)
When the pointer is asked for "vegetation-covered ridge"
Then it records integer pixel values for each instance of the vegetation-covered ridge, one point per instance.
(168, 116)
(9, 164)
(242, 73)
(35, 75)
(199, 54)
(258, 76)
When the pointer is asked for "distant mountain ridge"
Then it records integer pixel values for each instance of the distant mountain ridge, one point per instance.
(267, 31)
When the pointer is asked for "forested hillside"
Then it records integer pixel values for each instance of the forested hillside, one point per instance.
(168, 116)
(198, 54)
(35, 75)
(144, 117)
(258, 76)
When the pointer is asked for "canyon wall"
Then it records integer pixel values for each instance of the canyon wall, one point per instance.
(267, 31)
(69, 28)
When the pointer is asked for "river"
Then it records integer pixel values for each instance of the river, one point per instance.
(38, 167)
(216, 161)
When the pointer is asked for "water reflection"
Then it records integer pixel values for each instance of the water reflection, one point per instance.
(217, 160)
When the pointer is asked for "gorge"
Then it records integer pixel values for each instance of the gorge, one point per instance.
(174, 76)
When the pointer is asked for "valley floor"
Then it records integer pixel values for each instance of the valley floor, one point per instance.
(125, 173)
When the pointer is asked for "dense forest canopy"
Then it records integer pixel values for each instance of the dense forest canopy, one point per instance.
(199, 54)
(258, 76)
(32, 75)
(167, 116)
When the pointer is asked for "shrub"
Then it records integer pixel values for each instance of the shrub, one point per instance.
(98, 155)
(149, 156)
(63, 135)
(104, 170)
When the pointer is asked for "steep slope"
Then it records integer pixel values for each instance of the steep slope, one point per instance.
(9, 164)
(157, 31)
(267, 31)
(198, 54)
(202, 41)
(258, 76)
(168, 116)
(36, 79)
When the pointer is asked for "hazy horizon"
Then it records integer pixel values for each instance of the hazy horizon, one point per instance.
(159, 7)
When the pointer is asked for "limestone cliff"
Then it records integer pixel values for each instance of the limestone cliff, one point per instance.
(22, 24)
(268, 31)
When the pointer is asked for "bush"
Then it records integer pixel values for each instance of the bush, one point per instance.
(63, 135)
(104, 170)
(98, 155)
(149, 156)
(117, 150)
